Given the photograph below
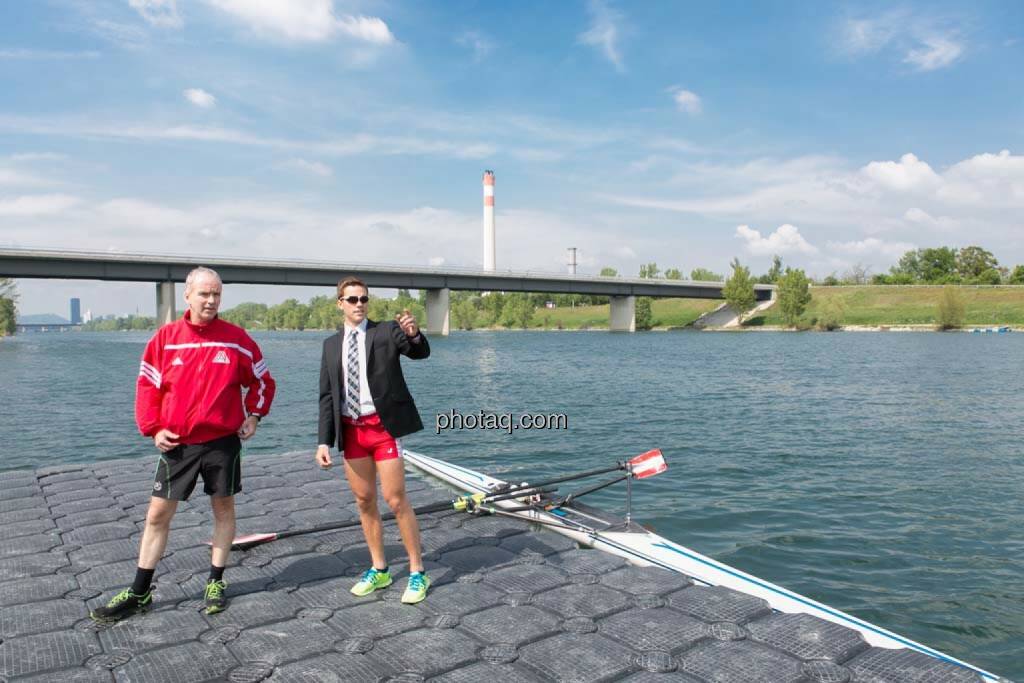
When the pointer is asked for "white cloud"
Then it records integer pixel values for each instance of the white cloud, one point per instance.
(127, 36)
(200, 98)
(764, 171)
(870, 246)
(985, 182)
(145, 216)
(882, 208)
(37, 205)
(785, 240)
(24, 53)
(162, 13)
(38, 156)
(812, 189)
(481, 45)
(370, 29)
(909, 174)
(299, 227)
(646, 164)
(14, 177)
(552, 132)
(862, 36)
(988, 168)
(921, 41)
(664, 144)
(921, 217)
(315, 167)
(435, 261)
(362, 143)
(304, 20)
(537, 155)
(13, 171)
(936, 52)
(406, 145)
(916, 215)
(686, 101)
(824, 190)
(603, 32)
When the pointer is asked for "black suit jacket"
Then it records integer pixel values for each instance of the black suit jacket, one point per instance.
(384, 343)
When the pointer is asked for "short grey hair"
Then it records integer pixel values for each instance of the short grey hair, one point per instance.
(195, 273)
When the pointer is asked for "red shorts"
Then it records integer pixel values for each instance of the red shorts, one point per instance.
(365, 437)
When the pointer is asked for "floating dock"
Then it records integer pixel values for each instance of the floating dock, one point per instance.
(508, 602)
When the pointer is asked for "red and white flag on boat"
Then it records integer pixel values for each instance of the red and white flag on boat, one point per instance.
(648, 464)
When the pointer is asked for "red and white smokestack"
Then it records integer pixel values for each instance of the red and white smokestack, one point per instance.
(489, 220)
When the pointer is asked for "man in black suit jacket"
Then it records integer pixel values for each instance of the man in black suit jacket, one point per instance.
(365, 407)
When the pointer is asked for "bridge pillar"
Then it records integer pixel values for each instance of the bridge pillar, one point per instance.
(165, 312)
(437, 311)
(623, 318)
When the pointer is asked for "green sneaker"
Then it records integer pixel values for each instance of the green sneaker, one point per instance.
(214, 596)
(373, 579)
(122, 605)
(417, 588)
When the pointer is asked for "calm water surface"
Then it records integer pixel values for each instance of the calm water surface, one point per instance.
(878, 473)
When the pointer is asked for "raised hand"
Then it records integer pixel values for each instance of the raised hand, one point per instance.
(407, 321)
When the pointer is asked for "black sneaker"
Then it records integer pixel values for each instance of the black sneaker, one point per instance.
(122, 605)
(214, 596)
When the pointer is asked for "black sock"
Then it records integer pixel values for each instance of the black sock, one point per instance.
(216, 573)
(383, 571)
(143, 580)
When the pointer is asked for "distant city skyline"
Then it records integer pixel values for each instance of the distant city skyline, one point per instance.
(684, 134)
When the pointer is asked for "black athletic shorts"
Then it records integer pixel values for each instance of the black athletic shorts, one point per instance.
(218, 461)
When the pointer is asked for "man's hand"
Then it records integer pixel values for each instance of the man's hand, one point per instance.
(166, 440)
(248, 427)
(407, 321)
(323, 456)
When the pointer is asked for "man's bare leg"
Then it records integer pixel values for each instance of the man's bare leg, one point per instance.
(392, 485)
(362, 479)
(223, 529)
(151, 548)
(154, 534)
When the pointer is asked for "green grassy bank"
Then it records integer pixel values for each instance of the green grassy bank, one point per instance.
(868, 305)
(897, 305)
(666, 313)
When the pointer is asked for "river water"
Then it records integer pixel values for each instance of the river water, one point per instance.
(880, 473)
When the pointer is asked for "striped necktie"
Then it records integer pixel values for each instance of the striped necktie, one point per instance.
(352, 375)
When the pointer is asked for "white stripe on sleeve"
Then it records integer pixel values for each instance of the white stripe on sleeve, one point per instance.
(149, 373)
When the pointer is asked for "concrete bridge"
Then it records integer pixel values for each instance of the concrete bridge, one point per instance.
(166, 270)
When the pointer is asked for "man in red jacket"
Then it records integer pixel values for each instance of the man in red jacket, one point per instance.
(189, 401)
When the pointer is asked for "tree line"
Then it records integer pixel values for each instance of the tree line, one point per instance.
(120, 324)
(8, 307)
(972, 265)
(321, 313)
(948, 266)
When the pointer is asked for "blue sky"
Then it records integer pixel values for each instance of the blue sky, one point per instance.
(832, 134)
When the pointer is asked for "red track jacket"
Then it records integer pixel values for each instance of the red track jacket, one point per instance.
(191, 377)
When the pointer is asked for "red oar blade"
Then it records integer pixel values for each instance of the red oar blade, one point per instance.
(249, 540)
(648, 464)
(254, 539)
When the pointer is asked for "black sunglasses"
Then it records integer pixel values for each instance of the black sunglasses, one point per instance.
(354, 299)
